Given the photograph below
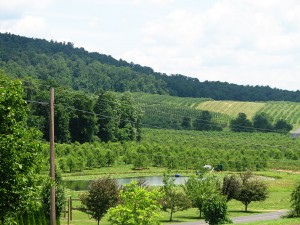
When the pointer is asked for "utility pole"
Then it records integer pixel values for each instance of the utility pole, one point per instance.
(52, 161)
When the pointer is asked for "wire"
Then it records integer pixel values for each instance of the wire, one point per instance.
(207, 122)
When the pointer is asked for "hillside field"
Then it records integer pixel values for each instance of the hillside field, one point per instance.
(223, 111)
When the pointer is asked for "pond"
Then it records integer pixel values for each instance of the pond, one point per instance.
(80, 185)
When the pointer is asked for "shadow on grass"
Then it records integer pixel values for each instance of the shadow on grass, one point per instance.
(183, 218)
(242, 212)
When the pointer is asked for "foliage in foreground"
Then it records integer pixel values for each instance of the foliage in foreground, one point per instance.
(139, 206)
(295, 200)
(19, 152)
(215, 210)
(60, 197)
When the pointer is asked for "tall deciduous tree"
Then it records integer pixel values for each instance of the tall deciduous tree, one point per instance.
(19, 151)
(107, 108)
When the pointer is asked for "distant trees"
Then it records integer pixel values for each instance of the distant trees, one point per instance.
(283, 126)
(261, 122)
(241, 124)
(83, 118)
(204, 122)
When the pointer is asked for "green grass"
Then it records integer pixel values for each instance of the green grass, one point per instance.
(290, 221)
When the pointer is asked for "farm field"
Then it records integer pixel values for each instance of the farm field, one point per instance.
(223, 111)
(232, 108)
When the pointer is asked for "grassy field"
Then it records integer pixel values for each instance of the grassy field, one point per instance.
(280, 185)
(232, 108)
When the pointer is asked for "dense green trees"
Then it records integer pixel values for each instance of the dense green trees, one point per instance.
(84, 118)
(92, 72)
(261, 122)
(19, 152)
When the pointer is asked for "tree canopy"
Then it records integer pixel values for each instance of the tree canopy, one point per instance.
(19, 151)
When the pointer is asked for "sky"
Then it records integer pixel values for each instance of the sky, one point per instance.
(248, 42)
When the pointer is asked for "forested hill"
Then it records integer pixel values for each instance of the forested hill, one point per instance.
(63, 64)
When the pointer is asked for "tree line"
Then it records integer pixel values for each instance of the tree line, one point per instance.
(80, 117)
(78, 69)
(261, 122)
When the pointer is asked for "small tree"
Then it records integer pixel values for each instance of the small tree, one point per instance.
(139, 206)
(215, 210)
(295, 200)
(102, 195)
(198, 190)
(173, 200)
(252, 189)
(231, 186)
(241, 124)
(282, 126)
(262, 122)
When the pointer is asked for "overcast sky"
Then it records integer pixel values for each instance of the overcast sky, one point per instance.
(255, 42)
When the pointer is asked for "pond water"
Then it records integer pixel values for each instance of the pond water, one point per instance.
(80, 185)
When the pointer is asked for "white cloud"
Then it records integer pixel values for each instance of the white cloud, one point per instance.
(237, 41)
(16, 5)
(29, 25)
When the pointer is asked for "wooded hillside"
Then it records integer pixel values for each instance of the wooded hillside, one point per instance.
(63, 64)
